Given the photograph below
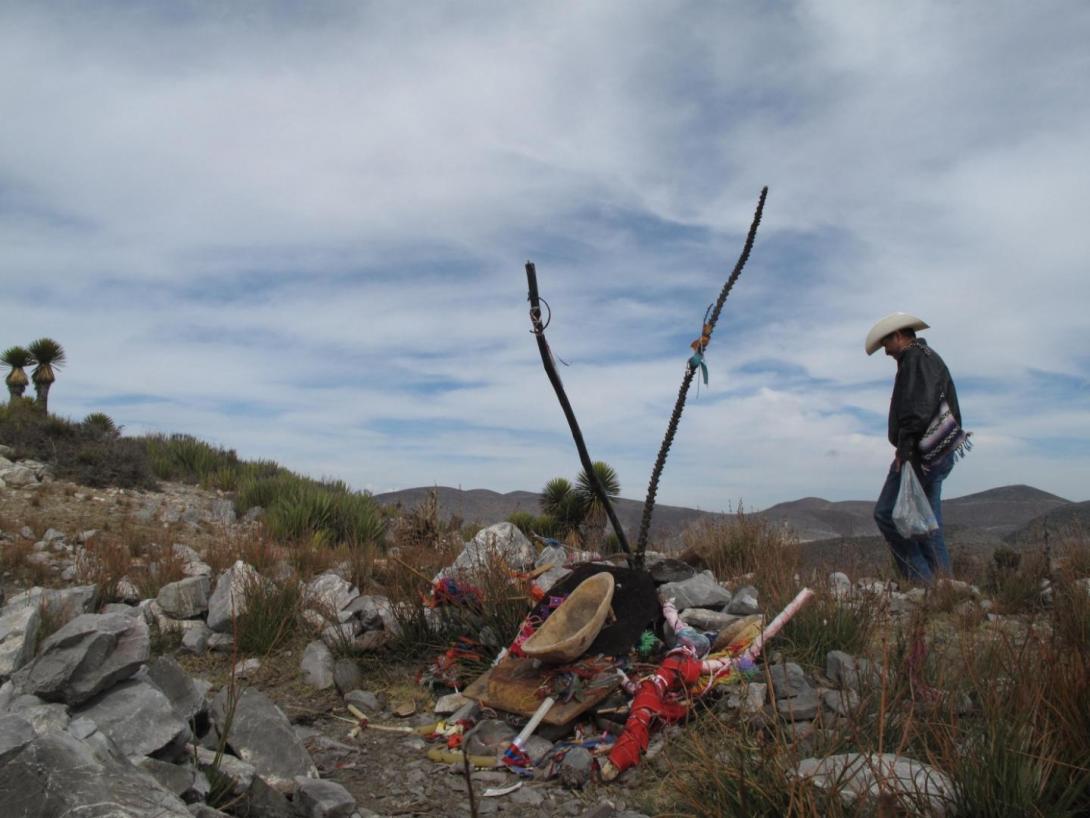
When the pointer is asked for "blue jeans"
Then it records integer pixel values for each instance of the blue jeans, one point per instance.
(918, 559)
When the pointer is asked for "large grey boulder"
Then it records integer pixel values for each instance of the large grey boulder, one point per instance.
(331, 595)
(501, 543)
(185, 694)
(261, 735)
(185, 599)
(744, 602)
(374, 612)
(184, 780)
(138, 718)
(228, 600)
(15, 733)
(920, 788)
(88, 655)
(668, 569)
(788, 680)
(323, 799)
(195, 639)
(42, 715)
(700, 591)
(66, 603)
(58, 776)
(704, 620)
(19, 623)
(18, 477)
(803, 707)
(368, 610)
(242, 775)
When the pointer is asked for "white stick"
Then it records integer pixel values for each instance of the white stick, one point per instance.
(775, 626)
(534, 721)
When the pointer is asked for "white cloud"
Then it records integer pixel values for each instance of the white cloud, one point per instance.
(291, 227)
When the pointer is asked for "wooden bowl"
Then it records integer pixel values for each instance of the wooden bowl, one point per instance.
(568, 632)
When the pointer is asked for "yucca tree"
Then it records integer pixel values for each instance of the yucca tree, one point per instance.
(16, 357)
(594, 510)
(48, 356)
(560, 501)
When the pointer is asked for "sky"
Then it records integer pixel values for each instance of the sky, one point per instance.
(299, 231)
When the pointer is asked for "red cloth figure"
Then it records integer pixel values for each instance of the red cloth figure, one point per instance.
(678, 671)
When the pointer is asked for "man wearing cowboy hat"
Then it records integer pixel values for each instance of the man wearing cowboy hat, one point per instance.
(925, 428)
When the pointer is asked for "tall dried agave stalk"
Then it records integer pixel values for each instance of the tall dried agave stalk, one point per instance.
(696, 361)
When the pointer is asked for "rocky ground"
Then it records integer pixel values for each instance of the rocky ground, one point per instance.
(147, 703)
(50, 528)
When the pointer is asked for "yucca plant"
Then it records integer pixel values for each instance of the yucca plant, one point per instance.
(16, 357)
(101, 424)
(561, 502)
(48, 356)
(594, 509)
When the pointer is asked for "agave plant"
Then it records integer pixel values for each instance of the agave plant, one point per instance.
(48, 356)
(17, 358)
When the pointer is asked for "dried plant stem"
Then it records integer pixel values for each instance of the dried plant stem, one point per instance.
(469, 785)
(686, 381)
(558, 387)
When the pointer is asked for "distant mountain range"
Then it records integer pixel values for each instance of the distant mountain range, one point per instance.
(1018, 516)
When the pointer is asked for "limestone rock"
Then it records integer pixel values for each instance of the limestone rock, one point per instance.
(699, 591)
(88, 655)
(866, 775)
(19, 623)
(788, 680)
(228, 600)
(500, 542)
(317, 665)
(705, 620)
(138, 717)
(323, 799)
(331, 595)
(59, 775)
(261, 735)
(346, 675)
(15, 733)
(185, 694)
(185, 599)
(744, 602)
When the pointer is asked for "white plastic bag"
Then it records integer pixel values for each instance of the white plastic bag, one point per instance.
(912, 512)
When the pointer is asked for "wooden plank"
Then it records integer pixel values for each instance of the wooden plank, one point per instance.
(512, 686)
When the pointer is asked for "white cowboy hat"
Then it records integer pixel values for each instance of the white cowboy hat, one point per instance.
(891, 323)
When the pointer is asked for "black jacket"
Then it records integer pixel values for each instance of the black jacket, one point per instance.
(922, 382)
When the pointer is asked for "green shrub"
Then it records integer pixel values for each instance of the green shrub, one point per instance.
(523, 521)
(102, 423)
(87, 453)
(185, 458)
(299, 509)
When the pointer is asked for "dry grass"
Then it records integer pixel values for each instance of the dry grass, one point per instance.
(108, 558)
(750, 547)
(1000, 707)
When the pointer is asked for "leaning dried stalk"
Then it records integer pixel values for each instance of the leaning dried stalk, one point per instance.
(686, 381)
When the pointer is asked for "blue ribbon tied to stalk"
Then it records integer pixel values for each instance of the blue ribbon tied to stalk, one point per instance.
(698, 360)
